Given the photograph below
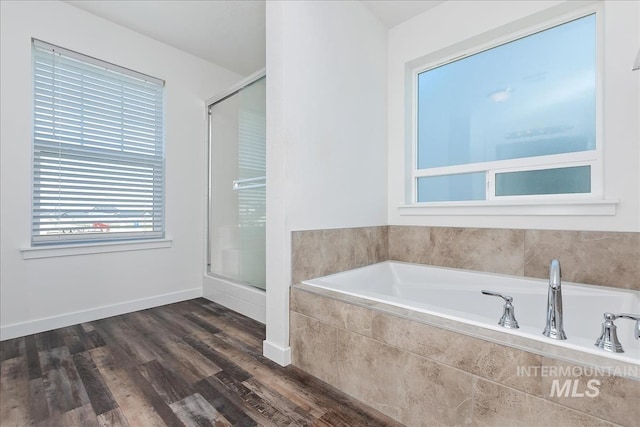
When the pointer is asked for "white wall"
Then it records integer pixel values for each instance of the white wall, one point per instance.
(39, 294)
(335, 96)
(456, 22)
(326, 127)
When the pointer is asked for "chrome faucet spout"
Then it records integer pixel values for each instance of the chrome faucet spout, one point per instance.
(554, 274)
(554, 327)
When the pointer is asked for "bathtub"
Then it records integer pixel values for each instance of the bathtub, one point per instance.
(455, 295)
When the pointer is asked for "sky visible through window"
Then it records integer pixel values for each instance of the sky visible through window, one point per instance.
(538, 89)
(534, 96)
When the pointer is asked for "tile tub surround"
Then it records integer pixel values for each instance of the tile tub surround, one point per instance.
(597, 258)
(419, 370)
(463, 380)
(590, 257)
(481, 249)
(316, 253)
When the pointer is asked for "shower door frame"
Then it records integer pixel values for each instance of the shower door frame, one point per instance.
(240, 297)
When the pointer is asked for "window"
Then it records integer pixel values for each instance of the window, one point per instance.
(98, 150)
(511, 122)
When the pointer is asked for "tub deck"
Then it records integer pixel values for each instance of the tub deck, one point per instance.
(453, 299)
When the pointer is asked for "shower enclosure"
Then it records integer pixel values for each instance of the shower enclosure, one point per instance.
(236, 226)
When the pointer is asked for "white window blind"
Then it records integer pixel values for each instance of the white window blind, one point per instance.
(98, 150)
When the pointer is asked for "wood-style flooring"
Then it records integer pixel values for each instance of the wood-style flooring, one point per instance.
(193, 363)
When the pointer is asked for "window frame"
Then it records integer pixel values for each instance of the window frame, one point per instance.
(593, 158)
(61, 244)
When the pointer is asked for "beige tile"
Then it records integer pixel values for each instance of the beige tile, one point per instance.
(481, 249)
(497, 405)
(402, 385)
(420, 374)
(598, 258)
(615, 398)
(331, 311)
(307, 259)
(409, 243)
(313, 347)
(601, 258)
(317, 253)
(476, 356)
(373, 244)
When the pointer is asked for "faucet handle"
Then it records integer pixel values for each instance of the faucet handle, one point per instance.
(506, 298)
(508, 319)
(636, 317)
(608, 339)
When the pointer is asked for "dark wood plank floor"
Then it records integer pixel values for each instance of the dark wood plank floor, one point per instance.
(193, 363)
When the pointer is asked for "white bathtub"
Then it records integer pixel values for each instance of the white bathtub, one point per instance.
(455, 294)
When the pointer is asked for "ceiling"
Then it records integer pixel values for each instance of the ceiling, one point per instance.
(226, 32)
(394, 12)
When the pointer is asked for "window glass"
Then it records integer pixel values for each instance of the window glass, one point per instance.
(534, 96)
(546, 181)
(468, 186)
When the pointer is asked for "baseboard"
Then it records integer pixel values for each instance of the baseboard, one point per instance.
(280, 355)
(48, 323)
(246, 300)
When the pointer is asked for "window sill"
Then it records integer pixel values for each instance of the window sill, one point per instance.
(516, 208)
(92, 248)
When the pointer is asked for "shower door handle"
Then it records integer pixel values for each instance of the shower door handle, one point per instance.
(248, 183)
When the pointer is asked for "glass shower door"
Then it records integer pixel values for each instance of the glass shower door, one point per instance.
(237, 186)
